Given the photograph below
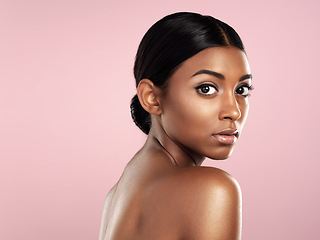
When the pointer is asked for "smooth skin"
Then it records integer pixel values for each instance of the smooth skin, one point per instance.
(164, 193)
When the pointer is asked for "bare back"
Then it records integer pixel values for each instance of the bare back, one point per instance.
(127, 204)
(154, 199)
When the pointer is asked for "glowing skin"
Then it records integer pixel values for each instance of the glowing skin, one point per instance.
(190, 117)
(163, 192)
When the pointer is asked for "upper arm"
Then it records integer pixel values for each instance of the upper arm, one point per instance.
(103, 224)
(214, 209)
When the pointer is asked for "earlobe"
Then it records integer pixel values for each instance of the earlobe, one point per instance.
(148, 96)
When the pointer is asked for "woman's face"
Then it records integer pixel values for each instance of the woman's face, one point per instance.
(206, 95)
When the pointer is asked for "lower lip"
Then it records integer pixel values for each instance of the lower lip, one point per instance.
(226, 139)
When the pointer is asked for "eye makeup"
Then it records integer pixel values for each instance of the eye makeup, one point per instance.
(206, 89)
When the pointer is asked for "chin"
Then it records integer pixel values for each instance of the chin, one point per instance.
(221, 158)
(223, 155)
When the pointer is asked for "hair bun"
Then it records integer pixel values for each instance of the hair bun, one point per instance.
(140, 116)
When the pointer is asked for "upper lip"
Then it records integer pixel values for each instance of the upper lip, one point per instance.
(228, 131)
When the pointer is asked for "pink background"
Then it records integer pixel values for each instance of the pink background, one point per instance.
(66, 131)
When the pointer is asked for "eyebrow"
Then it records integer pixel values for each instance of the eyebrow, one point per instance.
(219, 75)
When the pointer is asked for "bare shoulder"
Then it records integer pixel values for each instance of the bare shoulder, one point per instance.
(208, 203)
(208, 179)
(106, 206)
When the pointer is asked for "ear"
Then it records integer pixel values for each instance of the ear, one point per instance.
(148, 95)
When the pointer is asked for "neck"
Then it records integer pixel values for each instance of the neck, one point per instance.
(182, 156)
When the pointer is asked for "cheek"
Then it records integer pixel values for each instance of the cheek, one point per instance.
(191, 116)
(244, 108)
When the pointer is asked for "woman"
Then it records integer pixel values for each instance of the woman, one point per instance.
(193, 81)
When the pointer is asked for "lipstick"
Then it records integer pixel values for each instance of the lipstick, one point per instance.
(225, 139)
(227, 136)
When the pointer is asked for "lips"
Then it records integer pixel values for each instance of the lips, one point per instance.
(227, 136)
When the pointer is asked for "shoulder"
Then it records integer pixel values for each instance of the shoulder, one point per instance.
(207, 173)
(107, 202)
(208, 202)
(206, 181)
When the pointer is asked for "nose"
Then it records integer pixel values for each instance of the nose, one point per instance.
(229, 108)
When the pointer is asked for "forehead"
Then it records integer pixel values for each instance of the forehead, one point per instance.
(229, 61)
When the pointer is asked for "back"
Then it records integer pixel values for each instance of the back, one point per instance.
(126, 206)
(163, 201)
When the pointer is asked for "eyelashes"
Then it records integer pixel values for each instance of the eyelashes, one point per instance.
(209, 89)
(244, 90)
(206, 89)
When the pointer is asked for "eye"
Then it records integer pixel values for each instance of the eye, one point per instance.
(206, 89)
(244, 90)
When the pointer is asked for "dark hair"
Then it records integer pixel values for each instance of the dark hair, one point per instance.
(168, 43)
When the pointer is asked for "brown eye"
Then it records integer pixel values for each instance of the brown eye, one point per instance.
(243, 90)
(206, 89)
